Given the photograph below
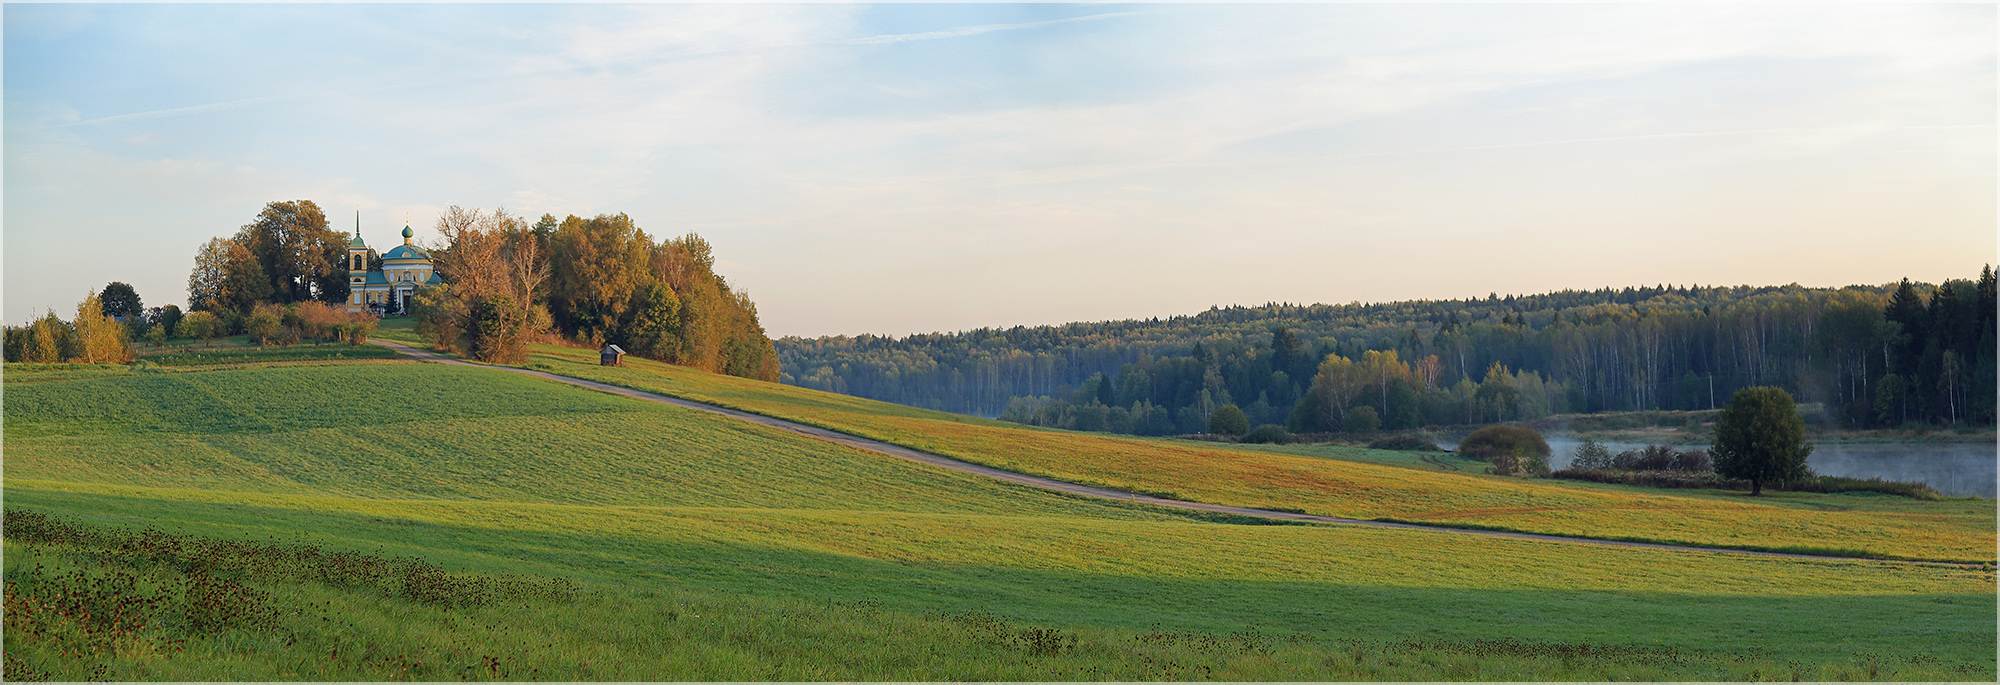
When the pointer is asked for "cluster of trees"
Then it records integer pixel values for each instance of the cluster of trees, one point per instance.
(594, 281)
(287, 324)
(1173, 395)
(1759, 439)
(109, 322)
(288, 254)
(1875, 356)
(506, 283)
(1283, 386)
(91, 337)
(121, 302)
(1935, 355)
(1594, 455)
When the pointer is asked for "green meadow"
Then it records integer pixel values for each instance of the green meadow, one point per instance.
(683, 545)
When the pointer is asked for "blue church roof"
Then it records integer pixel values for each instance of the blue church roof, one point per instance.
(405, 252)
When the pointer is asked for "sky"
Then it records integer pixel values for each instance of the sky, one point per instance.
(908, 168)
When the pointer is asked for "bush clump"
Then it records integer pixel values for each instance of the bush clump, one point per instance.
(1361, 420)
(1268, 433)
(1663, 458)
(1513, 450)
(1405, 443)
(1228, 420)
(1592, 454)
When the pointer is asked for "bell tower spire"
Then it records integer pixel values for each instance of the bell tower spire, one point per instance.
(357, 266)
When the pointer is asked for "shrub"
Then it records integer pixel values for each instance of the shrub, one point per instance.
(157, 335)
(1407, 443)
(1268, 433)
(264, 322)
(360, 330)
(1228, 420)
(1591, 454)
(1362, 420)
(1694, 461)
(1659, 458)
(319, 320)
(1512, 450)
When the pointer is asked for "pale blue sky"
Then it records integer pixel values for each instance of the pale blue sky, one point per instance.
(910, 168)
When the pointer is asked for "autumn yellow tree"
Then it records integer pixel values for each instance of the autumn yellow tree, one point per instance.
(227, 278)
(99, 339)
(1498, 395)
(1383, 369)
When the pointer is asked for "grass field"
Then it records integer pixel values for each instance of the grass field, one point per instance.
(708, 548)
(1367, 484)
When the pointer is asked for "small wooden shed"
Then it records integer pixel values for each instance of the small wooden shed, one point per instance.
(611, 356)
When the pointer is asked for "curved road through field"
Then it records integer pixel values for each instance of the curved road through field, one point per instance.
(880, 447)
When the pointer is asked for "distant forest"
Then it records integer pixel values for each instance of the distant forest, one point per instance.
(1895, 355)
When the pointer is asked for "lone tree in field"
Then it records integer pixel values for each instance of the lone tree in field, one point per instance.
(1759, 437)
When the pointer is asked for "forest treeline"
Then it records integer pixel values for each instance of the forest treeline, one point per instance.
(506, 282)
(1905, 353)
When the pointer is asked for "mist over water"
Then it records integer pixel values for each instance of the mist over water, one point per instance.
(1955, 469)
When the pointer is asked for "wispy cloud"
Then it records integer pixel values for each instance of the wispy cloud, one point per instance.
(964, 31)
(1838, 131)
(796, 136)
(237, 104)
(181, 111)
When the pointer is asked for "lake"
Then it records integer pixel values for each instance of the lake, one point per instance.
(1956, 469)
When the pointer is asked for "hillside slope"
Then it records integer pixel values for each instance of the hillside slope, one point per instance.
(1861, 525)
(666, 514)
